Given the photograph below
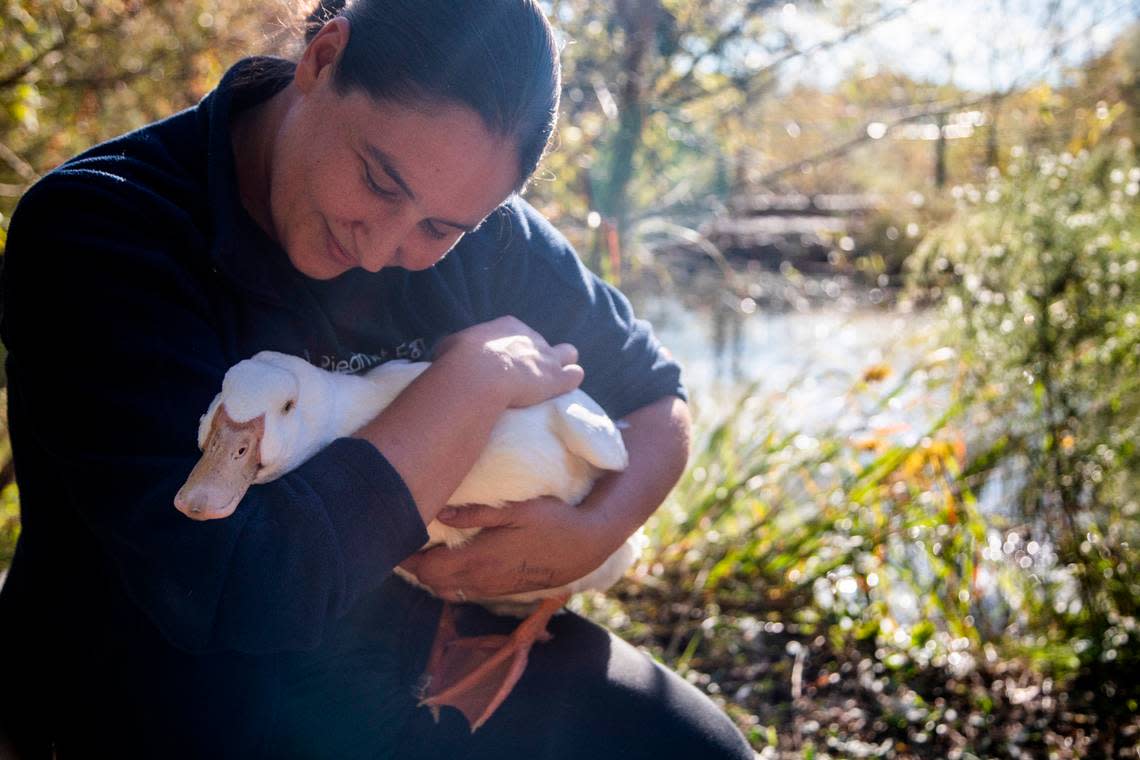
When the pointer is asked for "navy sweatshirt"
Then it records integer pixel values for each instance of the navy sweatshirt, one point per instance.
(133, 280)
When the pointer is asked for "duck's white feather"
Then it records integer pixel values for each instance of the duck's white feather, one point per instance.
(556, 448)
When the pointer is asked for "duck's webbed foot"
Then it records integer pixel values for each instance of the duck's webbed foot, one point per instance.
(475, 674)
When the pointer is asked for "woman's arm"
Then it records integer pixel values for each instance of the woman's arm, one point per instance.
(544, 542)
(115, 347)
(435, 429)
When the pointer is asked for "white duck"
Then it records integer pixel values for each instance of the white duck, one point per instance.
(275, 411)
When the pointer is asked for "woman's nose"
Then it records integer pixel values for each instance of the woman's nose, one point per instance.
(380, 242)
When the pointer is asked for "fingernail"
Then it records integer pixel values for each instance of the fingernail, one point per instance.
(447, 513)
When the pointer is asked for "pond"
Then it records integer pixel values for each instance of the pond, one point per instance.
(807, 356)
(809, 353)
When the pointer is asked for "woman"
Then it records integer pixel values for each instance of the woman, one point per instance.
(352, 207)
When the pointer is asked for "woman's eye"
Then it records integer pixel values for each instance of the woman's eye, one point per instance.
(433, 231)
(375, 188)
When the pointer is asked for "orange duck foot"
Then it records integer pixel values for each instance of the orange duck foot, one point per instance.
(475, 674)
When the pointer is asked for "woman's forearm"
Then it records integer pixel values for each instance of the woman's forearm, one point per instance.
(544, 542)
(434, 430)
(657, 439)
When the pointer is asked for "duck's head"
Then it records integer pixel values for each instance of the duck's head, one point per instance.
(248, 435)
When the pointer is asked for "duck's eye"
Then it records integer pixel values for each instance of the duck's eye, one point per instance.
(288, 407)
(241, 452)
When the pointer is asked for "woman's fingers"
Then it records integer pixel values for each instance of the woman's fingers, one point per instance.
(525, 368)
(473, 516)
(566, 353)
(572, 376)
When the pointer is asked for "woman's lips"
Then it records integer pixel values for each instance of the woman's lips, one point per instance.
(337, 253)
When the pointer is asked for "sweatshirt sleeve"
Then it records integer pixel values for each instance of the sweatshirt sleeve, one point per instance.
(113, 356)
(551, 290)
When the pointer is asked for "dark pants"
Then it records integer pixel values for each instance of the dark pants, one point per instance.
(586, 693)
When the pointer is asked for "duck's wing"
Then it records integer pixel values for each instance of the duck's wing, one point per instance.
(586, 430)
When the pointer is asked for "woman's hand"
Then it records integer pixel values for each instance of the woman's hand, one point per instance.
(433, 431)
(545, 543)
(514, 360)
(526, 546)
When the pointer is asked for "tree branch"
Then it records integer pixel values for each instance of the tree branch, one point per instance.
(65, 31)
(761, 73)
(715, 47)
(14, 76)
(845, 147)
(11, 191)
(854, 142)
(26, 171)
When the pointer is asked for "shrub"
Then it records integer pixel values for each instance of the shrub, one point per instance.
(1039, 277)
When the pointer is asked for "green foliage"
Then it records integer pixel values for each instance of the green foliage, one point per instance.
(1007, 531)
(648, 89)
(76, 72)
(1041, 277)
(9, 496)
(9, 524)
(870, 531)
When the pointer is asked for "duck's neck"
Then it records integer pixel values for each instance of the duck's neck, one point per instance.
(355, 399)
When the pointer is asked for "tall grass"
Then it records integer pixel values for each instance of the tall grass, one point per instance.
(867, 527)
(1003, 525)
(1040, 277)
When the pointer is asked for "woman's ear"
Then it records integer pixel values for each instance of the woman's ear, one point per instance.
(321, 55)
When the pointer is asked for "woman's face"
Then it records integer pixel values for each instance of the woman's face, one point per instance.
(359, 183)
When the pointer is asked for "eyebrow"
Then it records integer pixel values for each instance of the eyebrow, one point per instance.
(388, 165)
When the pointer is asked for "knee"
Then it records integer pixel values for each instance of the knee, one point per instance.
(678, 720)
(596, 695)
(660, 713)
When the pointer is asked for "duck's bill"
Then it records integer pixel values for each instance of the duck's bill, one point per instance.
(229, 464)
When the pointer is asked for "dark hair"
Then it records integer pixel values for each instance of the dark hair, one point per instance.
(497, 57)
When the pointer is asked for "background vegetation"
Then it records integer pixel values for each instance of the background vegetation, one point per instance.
(943, 565)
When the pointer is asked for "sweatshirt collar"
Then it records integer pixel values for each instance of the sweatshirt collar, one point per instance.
(242, 251)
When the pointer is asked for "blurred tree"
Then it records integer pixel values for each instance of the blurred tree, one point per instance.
(646, 83)
(661, 104)
(75, 72)
(1031, 101)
